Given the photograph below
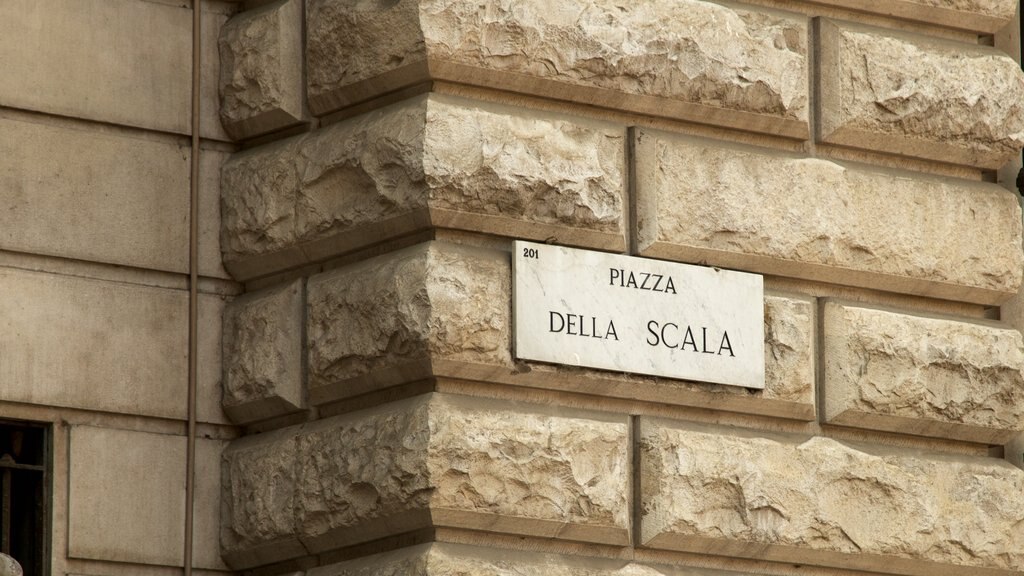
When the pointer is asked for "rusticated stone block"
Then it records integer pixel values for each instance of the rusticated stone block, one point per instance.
(263, 354)
(259, 477)
(918, 96)
(261, 83)
(925, 376)
(977, 15)
(441, 310)
(433, 161)
(433, 460)
(688, 59)
(818, 501)
(759, 210)
(442, 559)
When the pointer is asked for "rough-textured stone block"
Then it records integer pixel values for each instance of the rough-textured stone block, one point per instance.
(918, 96)
(261, 80)
(926, 376)
(440, 559)
(263, 354)
(430, 162)
(260, 480)
(119, 61)
(93, 195)
(93, 345)
(754, 209)
(977, 15)
(687, 59)
(143, 520)
(441, 310)
(818, 501)
(430, 461)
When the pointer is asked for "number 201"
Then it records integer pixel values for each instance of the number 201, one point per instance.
(530, 253)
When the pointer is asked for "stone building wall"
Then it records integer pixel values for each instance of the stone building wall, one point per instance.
(95, 159)
(364, 168)
(858, 154)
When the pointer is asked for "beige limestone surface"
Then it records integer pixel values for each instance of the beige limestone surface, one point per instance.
(429, 161)
(819, 501)
(439, 309)
(93, 344)
(126, 501)
(461, 560)
(263, 340)
(917, 96)
(96, 195)
(434, 460)
(689, 59)
(978, 15)
(120, 61)
(930, 376)
(765, 211)
(261, 76)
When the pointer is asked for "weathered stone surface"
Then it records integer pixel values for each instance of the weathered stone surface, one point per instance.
(261, 81)
(438, 309)
(917, 96)
(754, 209)
(263, 354)
(93, 195)
(819, 501)
(258, 496)
(687, 59)
(430, 461)
(977, 15)
(119, 61)
(789, 348)
(92, 344)
(430, 161)
(926, 376)
(143, 520)
(441, 559)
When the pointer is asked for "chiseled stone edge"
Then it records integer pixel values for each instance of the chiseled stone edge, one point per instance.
(651, 243)
(839, 395)
(241, 552)
(920, 11)
(422, 216)
(429, 67)
(889, 564)
(291, 107)
(286, 397)
(832, 127)
(435, 364)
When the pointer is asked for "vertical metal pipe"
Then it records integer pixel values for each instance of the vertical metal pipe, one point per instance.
(193, 286)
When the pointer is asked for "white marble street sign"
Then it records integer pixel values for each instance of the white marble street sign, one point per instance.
(639, 315)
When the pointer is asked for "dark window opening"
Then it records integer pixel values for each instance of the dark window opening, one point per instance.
(25, 495)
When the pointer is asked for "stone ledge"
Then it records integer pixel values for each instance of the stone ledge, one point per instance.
(434, 460)
(766, 211)
(748, 71)
(261, 79)
(439, 310)
(918, 96)
(986, 16)
(818, 501)
(925, 376)
(433, 161)
(443, 559)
